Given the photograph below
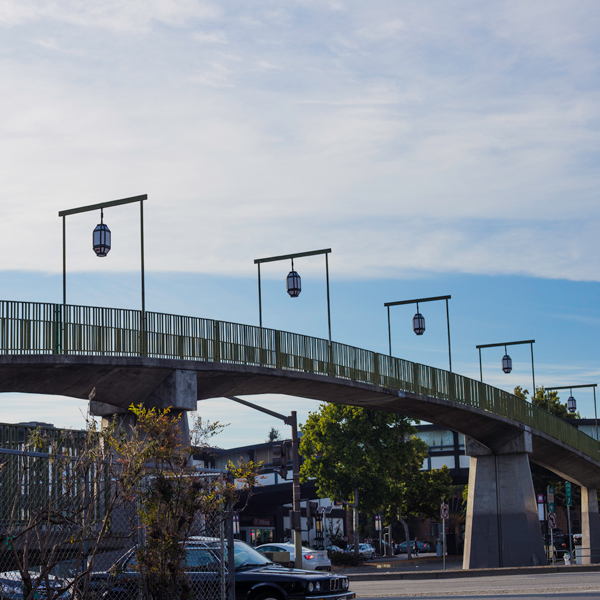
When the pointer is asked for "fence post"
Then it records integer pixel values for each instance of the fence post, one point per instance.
(230, 546)
(217, 341)
(57, 327)
(278, 361)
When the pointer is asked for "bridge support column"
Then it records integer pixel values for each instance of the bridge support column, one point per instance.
(179, 391)
(502, 526)
(590, 527)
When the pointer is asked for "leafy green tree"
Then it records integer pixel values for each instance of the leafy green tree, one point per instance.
(549, 401)
(370, 461)
(174, 496)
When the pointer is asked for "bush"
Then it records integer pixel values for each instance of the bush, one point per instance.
(341, 559)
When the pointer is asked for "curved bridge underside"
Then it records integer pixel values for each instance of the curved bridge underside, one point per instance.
(121, 381)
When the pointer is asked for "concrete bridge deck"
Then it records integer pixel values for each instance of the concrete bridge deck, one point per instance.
(161, 360)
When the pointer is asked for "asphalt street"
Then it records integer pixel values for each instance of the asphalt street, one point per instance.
(543, 586)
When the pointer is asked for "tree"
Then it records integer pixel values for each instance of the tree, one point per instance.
(173, 497)
(369, 460)
(549, 401)
(67, 488)
(274, 435)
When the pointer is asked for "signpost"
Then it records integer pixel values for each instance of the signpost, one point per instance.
(540, 503)
(569, 496)
(445, 513)
(378, 528)
(324, 510)
(551, 518)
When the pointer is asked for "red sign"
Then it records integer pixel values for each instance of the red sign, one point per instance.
(445, 511)
(261, 522)
(540, 498)
(551, 520)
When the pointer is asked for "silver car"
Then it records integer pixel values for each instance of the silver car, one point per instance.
(312, 560)
(365, 550)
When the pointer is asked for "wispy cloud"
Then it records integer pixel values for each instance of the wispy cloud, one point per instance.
(449, 136)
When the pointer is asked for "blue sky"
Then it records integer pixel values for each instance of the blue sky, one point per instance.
(446, 148)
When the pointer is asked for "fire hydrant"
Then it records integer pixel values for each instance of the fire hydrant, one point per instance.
(567, 558)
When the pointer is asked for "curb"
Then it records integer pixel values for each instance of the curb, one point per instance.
(457, 574)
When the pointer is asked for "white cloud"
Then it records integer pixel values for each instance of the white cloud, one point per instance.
(446, 137)
(119, 17)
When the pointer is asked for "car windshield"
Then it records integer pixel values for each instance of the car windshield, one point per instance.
(245, 556)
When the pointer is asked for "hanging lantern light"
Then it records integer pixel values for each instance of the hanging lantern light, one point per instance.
(101, 237)
(571, 403)
(506, 362)
(419, 322)
(294, 286)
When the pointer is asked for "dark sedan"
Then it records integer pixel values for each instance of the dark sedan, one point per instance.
(256, 577)
(422, 546)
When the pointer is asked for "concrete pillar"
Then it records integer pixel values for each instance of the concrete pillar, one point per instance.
(502, 526)
(590, 527)
(179, 391)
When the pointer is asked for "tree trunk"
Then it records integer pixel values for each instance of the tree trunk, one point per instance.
(406, 534)
(355, 509)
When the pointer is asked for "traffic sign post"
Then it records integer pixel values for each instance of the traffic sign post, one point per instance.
(540, 503)
(551, 517)
(551, 526)
(445, 513)
(569, 496)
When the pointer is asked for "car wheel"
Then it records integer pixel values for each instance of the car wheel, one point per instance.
(373, 556)
(268, 596)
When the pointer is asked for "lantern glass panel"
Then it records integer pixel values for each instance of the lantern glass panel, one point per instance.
(294, 286)
(506, 363)
(419, 324)
(571, 404)
(101, 240)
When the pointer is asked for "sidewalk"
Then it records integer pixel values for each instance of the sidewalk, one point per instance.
(429, 566)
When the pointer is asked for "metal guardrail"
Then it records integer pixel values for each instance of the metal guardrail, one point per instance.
(42, 328)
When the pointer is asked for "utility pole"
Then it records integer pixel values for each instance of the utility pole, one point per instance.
(296, 524)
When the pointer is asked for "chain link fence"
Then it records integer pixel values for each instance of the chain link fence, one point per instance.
(67, 532)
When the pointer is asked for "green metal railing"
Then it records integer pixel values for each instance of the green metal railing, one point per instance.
(38, 328)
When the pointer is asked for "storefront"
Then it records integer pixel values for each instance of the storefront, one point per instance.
(262, 531)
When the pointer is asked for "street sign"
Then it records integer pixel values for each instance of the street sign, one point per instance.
(377, 522)
(540, 498)
(445, 511)
(551, 520)
(550, 494)
(568, 493)
(550, 507)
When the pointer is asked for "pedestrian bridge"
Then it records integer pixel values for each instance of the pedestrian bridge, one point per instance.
(128, 356)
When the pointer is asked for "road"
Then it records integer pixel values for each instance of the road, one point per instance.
(550, 585)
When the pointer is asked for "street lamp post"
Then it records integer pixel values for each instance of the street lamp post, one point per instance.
(101, 246)
(419, 320)
(293, 280)
(573, 404)
(292, 421)
(506, 359)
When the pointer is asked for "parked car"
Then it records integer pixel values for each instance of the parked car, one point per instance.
(255, 577)
(365, 550)
(422, 546)
(312, 560)
(11, 587)
(334, 548)
(577, 539)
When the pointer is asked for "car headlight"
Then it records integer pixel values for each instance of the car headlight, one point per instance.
(318, 586)
(310, 587)
(345, 584)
